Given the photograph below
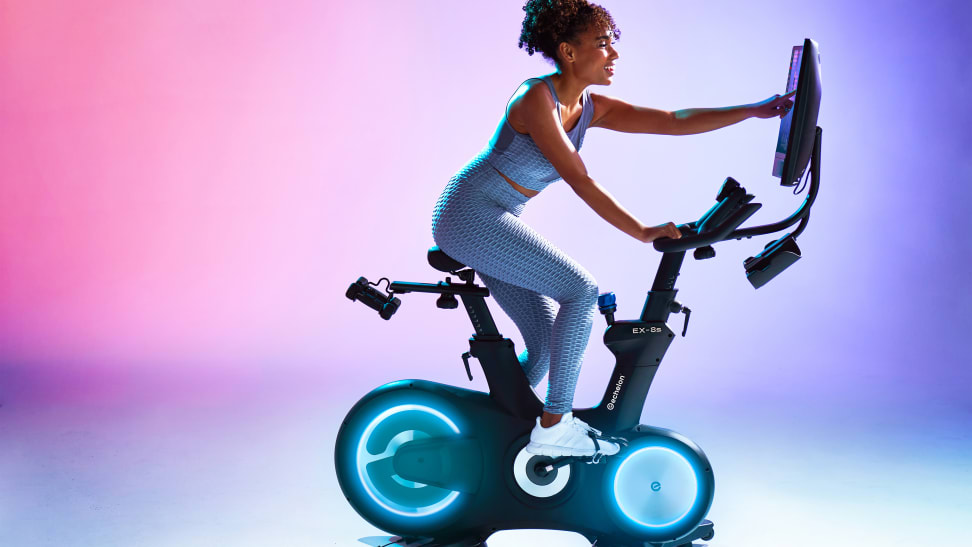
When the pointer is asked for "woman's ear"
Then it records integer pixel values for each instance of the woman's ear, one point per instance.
(566, 52)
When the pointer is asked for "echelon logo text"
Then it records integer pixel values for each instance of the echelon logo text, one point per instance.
(617, 390)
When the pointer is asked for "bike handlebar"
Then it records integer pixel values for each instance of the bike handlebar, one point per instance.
(691, 239)
(727, 229)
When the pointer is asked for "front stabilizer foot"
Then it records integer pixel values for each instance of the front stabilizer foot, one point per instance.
(398, 541)
(704, 531)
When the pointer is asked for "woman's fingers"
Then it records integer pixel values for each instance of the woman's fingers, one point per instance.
(786, 101)
(783, 104)
(662, 230)
(670, 230)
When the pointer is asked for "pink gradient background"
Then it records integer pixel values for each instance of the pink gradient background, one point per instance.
(186, 189)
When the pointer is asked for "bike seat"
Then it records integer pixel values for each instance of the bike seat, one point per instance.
(443, 262)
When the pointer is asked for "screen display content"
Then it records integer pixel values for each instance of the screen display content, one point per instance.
(783, 141)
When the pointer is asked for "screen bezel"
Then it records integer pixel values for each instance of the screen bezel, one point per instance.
(804, 123)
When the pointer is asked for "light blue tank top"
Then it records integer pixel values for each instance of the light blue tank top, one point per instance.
(517, 156)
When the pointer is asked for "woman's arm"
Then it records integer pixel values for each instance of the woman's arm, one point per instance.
(613, 113)
(610, 210)
(538, 112)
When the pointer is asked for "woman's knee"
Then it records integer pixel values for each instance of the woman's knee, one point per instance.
(583, 290)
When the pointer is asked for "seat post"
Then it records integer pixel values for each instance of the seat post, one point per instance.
(480, 316)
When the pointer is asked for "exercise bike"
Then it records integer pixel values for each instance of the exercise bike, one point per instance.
(439, 465)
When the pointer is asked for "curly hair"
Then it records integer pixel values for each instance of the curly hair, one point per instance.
(550, 22)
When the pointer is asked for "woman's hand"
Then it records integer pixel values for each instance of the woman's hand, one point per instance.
(776, 105)
(649, 233)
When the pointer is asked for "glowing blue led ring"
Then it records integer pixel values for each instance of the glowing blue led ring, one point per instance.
(656, 487)
(364, 458)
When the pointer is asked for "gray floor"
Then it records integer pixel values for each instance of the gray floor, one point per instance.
(165, 462)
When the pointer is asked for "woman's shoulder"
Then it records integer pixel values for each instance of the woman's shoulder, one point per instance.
(532, 94)
(535, 85)
(535, 91)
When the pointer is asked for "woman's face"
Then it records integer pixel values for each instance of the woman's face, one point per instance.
(594, 55)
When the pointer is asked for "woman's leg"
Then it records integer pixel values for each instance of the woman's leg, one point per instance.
(500, 246)
(476, 221)
(534, 316)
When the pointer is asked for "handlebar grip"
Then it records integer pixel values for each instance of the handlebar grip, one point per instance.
(719, 233)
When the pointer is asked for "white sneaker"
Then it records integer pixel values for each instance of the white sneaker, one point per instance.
(569, 437)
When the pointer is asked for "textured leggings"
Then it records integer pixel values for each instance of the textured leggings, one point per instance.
(547, 294)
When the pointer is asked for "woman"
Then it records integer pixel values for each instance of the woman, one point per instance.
(548, 295)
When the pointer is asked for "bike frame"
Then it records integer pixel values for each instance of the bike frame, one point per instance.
(638, 346)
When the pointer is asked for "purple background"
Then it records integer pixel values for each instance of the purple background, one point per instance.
(186, 189)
